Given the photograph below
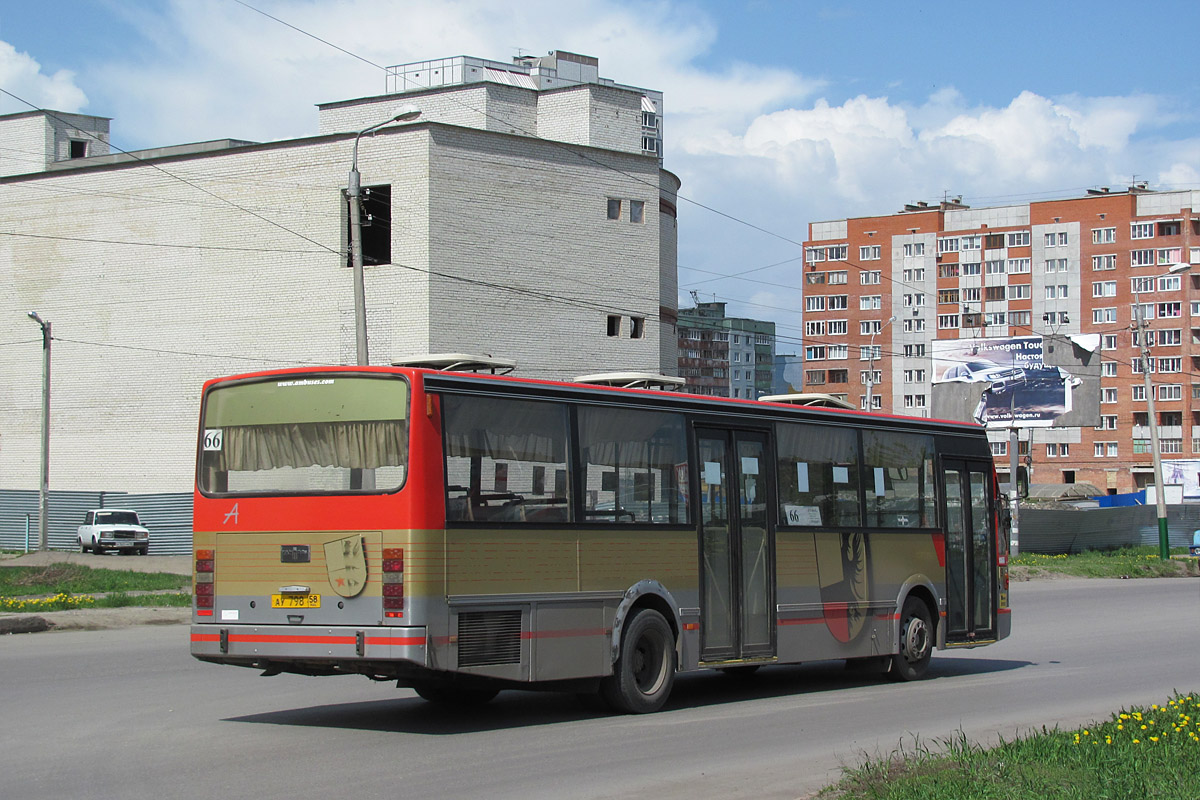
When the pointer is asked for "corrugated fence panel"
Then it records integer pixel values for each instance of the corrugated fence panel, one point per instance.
(168, 516)
(1055, 531)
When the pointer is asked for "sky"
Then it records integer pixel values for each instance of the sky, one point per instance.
(777, 114)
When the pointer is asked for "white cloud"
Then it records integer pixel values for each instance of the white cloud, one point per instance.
(21, 75)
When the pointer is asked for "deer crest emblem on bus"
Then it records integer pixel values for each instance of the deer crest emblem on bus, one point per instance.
(347, 565)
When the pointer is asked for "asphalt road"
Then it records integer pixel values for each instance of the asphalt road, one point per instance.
(127, 713)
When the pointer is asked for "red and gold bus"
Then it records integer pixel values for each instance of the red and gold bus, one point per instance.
(461, 534)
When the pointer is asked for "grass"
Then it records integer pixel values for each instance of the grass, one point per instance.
(1137, 753)
(64, 601)
(78, 579)
(1130, 562)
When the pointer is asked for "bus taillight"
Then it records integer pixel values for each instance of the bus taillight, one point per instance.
(204, 582)
(393, 582)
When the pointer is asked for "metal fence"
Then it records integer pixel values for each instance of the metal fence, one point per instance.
(168, 516)
(1072, 530)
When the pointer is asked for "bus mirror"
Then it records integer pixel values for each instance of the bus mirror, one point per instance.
(1022, 482)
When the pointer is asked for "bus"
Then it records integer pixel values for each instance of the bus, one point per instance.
(461, 534)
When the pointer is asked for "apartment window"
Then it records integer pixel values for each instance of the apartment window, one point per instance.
(968, 242)
(614, 327)
(1194, 308)
(914, 325)
(1020, 291)
(1058, 239)
(1171, 336)
(1168, 229)
(1141, 230)
(650, 120)
(1147, 310)
(914, 376)
(839, 352)
(814, 376)
(869, 253)
(1169, 283)
(838, 302)
(1018, 239)
(1139, 285)
(814, 278)
(914, 350)
(1020, 318)
(971, 268)
(1108, 369)
(1056, 265)
(876, 402)
(948, 244)
(1104, 449)
(1108, 341)
(914, 401)
(1104, 289)
(1170, 391)
(837, 252)
(637, 327)
(1056, 292)
(914, 249)
(814, 255)
(866, 352)
(995, 267)
(1141, 258)
(1137, 392)
(991, 318)
(948, 321)
(814, 353)
(870, 376)
(1194, 255)
(1051, 450)
(1101, 263)
(870, 302)
(814, 303)
(1108, 422)
(993, 294)
(1167, 310)
(870, 277)
(637, 211)
(993, 241)
(1170, 365)
(1101, 316)
(650, 144)
(914, 274)
(837, 327)
(999, 448)
(948, 296)
(1141, 446)
(1169, 255)
(869, 326)
(948, 270)
(837, 277)
(839, 376)
(1168, 446)
(1108, 394)
(614, 208)
(911, 300)
(1104, 235)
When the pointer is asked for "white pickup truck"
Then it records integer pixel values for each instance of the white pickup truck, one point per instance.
(113, 529)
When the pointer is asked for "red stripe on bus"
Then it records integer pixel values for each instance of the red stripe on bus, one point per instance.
(1005, 611)
(398, 640)
(565, 634)
(289, 639)
(206, 637)
(805, 621)
(939, 546)
(204, 612)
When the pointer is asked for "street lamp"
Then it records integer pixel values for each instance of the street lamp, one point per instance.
(44, 490)
(871, 362)
(353, 197)
(1164, 550)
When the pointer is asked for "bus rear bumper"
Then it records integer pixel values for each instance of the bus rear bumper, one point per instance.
(248, 644)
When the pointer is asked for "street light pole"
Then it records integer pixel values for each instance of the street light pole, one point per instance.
(1160, 502)
(353, 197)
(44, 490)
(871, 361)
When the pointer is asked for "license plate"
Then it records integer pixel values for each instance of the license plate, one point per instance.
(295, 601)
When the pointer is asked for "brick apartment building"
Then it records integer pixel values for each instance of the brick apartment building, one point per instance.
(1062, 268)
(721, 356)
(524, 214)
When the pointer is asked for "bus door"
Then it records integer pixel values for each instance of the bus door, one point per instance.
(736, 545)
(970, 551)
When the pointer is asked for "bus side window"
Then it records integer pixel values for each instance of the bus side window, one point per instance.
(499, 453)
(818, 475)
(898, 479)
(634, 465)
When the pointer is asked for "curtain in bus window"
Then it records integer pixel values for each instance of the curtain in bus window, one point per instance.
(506, 460)
(350, 445)
(898, 479)
(818, 475)
(635, 463)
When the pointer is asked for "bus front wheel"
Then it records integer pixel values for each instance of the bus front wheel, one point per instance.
(644, 671)
(916, 642)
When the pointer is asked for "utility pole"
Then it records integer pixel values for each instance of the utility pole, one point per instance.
(44, 490)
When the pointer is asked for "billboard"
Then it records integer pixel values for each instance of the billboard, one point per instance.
(1021, 381)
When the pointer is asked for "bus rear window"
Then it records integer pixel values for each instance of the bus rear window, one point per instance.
(305, 435)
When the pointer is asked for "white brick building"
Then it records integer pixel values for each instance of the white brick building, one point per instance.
(509, 220)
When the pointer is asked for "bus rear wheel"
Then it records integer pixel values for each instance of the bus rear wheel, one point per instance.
(916, 642)
(644, 671)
